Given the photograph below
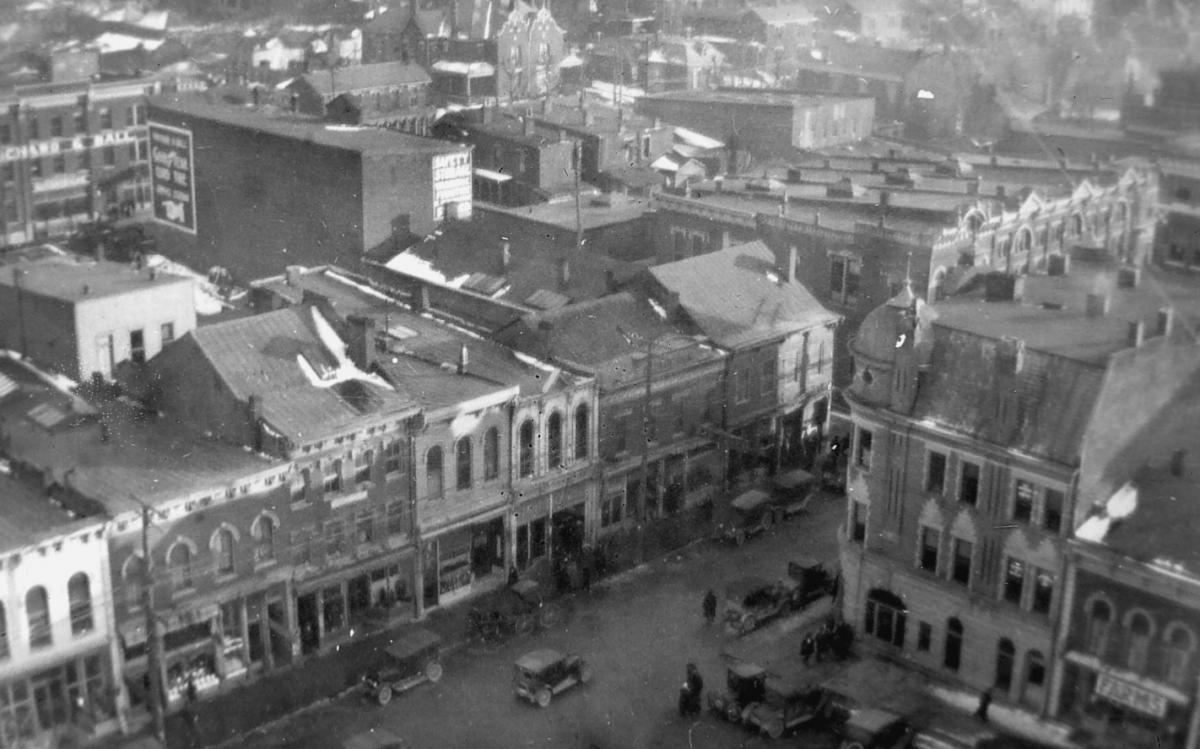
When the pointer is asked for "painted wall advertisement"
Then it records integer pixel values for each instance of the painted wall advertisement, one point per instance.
(171, 174)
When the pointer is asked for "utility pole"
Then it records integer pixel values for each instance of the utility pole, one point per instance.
(578, 210)
(153, 641)
(645, 472)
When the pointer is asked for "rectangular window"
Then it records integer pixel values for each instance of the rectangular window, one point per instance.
(60, 164)
(768, 375)
(334, 541)
(110, 156)
(5, 133)
(620, 433)
(56, 127)
(80, 122)
(137, 346)
(364, 527)
(362, 466)
(865, 438)
(962, 561)
(106, 119)
(610, 510)
(935, 474)
(968, 484)
(858, 522)
(35, 128)
(392, 456)
(1052, 514)
(930, 540)
(397, 518)
(1022, 509)
(1014, 580)
(333, 476)
(167, 332)
(837, 275)
(924, 636)
(1043, 591)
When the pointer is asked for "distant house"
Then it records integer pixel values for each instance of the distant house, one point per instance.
(880, 19)
(362, 92)
(656, 63)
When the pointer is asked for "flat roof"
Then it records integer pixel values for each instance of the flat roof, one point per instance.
(29, 515)
(275, 121)
(762, 98)
(65, 277)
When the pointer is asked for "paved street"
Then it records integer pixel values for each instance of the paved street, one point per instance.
(638, 631)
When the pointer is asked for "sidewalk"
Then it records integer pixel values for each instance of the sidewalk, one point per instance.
(1008, 718)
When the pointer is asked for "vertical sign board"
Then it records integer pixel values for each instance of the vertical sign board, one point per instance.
(171, 176)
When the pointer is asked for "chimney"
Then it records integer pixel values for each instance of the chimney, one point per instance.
(885, 198)
(1128, 277)
(1135, 334)
(564, 272)
(1096, 304)
(790, 271)
(1058, 265)
(360, 341)
(1166, 321)
(292, 274)
(527, 125)
(1002, 287)
(254, 408)
(464, 359)
(1177, 463)
(505, 254)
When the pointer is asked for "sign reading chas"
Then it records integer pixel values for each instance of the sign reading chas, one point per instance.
(171, 174)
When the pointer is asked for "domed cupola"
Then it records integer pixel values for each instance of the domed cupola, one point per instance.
(893, 341)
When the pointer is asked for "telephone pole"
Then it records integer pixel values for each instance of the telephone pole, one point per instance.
(153, 640)
(645, 471)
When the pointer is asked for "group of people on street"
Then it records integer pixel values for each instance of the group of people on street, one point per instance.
(690, 692)
(832, 640)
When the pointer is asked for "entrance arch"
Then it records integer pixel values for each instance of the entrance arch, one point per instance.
(886, 616)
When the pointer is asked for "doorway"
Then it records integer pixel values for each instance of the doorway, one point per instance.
(306, 619)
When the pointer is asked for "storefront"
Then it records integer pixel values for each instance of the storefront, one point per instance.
(1119, 709)
(327, 609)
(73, 701)
(460, 560)
(553, 525)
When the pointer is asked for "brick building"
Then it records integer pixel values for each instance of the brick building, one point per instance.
(360, 93)
(514, 163)
(82, 318)
(269, 188)
(764, 124)
(70, 153)
(972, 421)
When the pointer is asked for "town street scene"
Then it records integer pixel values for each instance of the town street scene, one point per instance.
(599, 374)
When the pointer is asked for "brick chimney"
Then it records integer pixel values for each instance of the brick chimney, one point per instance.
(1096, 304)
(360, 341)
(1128, 277)
(564, 272)
(1135, 334)
(292, 274)
(1058, 265)
(505, 255)
(1166, 321)
(790, 270)
(464, 359)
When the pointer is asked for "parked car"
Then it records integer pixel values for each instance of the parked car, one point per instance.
(793, 492)
(751, 602)
(872, 728)
(745, 685)
(749, 514)
(518, 609)
(414, 658)
(541, 674)
(790, 699)
(376, 738)
(813, 579)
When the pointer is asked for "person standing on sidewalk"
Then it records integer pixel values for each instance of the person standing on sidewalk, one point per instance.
(985, 701)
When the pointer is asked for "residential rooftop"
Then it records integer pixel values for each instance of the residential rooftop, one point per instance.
(74, 279)
(272, 120)
(355, 78)
(29, 514)
(753, 97)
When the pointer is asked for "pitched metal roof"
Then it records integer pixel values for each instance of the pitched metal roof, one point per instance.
(737, 296)
(357, 78)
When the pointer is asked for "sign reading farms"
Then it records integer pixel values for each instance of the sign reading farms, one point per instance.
(171, 174)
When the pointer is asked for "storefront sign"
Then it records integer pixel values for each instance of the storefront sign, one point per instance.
(44, 148)
(171, 174)
(1131, 695)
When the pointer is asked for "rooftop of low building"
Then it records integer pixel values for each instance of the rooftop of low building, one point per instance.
(74, 279)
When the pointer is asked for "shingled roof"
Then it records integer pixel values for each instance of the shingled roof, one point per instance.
(755, 302)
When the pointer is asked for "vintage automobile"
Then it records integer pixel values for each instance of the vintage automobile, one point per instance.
(750, 602)
(745, 685)
(541, 674)
(415, 657)
(872, 728)
(376, 738)
(813, 579)
(793, 492)
(749, 514)
(792, 697)
(518, 609)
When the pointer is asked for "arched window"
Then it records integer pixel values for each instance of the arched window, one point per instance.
(525, 458)
(132, 575)
(1035, 669)
(1138, 645)
(179, 561)
(555, 448)
(491, 454)
(1006, 656)
(1076, 225)
(223, 548)
(582, 428)
(1099, 621)
(1181, 646)
(886, 615)
(37, 609)
(462, 463)
(79, 595)
(952, 655)
(433, 472)
(4, 649)
(263, 532)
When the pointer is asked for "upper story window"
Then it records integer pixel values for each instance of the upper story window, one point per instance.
(491, 454)
(4, 648)
(858, 522)
(844, 278)
(333, 476)
(555, 438)
(106, 118)
(56, 126)
(1052, 510)
(179, 561)
(952, 653)
(1023, 495)
(863, 455)
(961, 571)
(935, 472)
(263, 532)
(433, 472)
(582, 431)
(362, 466)
(968, 484)
(525, 455)
(1179, 642)
(1043, 591)
(37, 611)
(931, 539)
(224, 550)
(1014, 580)
(1099, 622)
(1137, 641)
(79, 595)
(462, 463)
(393, 456)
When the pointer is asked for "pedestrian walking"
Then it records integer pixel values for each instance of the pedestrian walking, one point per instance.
(808, 648)
(985, 701)
(191, 690)
(710, 606)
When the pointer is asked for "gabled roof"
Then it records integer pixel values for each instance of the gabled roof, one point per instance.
(365, 77)
(272, 356)
(754, 303)
(786, 14)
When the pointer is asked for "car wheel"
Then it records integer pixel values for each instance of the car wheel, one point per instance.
(585, 673)
(385, 695)
(732, 714)
(749, 624)
(774, 729)
(543, 697)
(433, 671)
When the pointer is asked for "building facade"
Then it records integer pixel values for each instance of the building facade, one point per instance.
(71, 153)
